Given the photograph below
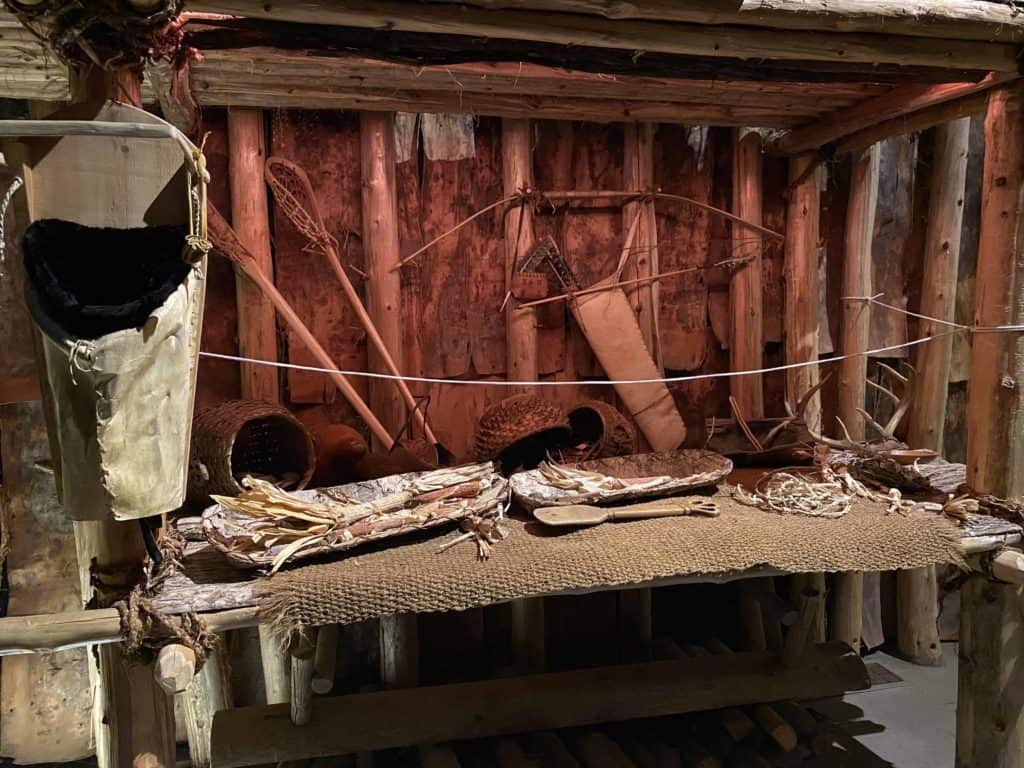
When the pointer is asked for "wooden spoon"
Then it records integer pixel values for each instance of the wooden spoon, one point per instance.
(586, 514)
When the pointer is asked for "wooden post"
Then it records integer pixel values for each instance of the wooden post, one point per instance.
(521, 344)
(326, 660)
(381, 253)
(638, 173)
(848, 589)
(800, 330)
(399, 651)
(517, 175)
(989, 715)
(302, 650)
(209, 693)
(990, 718)
(746, 336)
(995, 414)
(257, 331)
(917, 591)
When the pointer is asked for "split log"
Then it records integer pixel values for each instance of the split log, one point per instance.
(800, 325)
(596, 750)
(302, 652)
(800, 637)
(276, 666)
(995, 409)
(1008, 566)
(746, 337)
(577, 30)
(551, 750)
(388, 719)
(399, 651)
(209, 693)
(175, 667)
(813, 582)
(917, 590)
(257, 329)
(989, 716)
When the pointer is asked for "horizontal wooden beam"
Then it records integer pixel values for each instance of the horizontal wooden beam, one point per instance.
(221, 90)
(720, 41)
(957, 20)
(880, 109)
(250, 69)
(388, 719)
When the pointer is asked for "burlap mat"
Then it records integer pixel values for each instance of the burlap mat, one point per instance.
(535, 561)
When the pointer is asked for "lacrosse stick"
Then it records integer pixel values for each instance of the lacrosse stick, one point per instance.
(227, 242)
(294, 194)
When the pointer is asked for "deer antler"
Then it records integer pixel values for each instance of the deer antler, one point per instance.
(888, 432)
(846, 443)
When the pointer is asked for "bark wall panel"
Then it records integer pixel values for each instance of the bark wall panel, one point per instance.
(773, 215)
(684, 162)
(326, 145)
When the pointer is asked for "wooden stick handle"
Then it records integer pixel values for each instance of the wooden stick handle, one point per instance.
(672, 507)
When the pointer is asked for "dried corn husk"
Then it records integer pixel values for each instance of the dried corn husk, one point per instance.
(267, 527)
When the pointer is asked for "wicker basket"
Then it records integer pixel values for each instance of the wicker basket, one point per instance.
(599, 430)
(247, 437)
(520, 429)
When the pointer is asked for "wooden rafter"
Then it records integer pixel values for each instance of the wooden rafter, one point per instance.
(895, 104)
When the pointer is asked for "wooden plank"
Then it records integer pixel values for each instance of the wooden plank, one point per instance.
(701, 40)
(801, 277)
(258, 735)
(870, 112)
(638, 173)
(257, 325)
(995, 456)
(46, 713)
(961, 19)
(746, 332)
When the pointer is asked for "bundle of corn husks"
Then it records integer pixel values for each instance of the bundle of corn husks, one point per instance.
(267, 527)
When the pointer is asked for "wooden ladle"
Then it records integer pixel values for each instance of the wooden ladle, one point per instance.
(586, 514)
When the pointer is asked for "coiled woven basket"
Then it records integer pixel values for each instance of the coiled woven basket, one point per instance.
(247, 437)
(507, 426)
(599, 430)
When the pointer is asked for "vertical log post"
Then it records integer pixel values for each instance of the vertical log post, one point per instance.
(990, 715)
(257, 330)
(381, 250)
(135, 722)
(521, 342)
(638, 173)
(800, 274)
(746, 332)
(917, 592)
(848, 590)
(209, 693)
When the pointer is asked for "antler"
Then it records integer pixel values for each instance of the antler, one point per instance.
(847, 443)
(888, 432)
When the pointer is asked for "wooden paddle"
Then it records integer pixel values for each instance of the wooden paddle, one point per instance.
(585, 514)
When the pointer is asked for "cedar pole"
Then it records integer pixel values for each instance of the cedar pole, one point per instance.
(990, 720)
(257, 329)
(521, 341)
(381, 249)
(801, 284)
(917, 592)
(860, 224)
(746, 337)
(638, 160)
(134, 722)
(399, 634)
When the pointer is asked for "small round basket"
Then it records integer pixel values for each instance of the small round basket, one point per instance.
(599, 430)
(247, 437)
(519, 430)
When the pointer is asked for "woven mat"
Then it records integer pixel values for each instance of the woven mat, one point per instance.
(535, 561)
